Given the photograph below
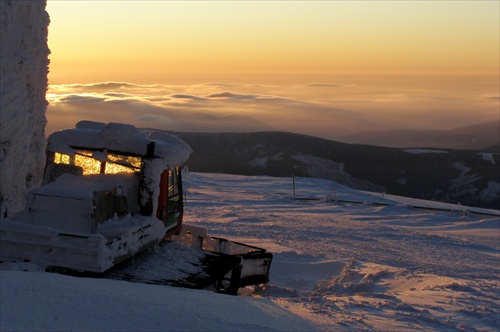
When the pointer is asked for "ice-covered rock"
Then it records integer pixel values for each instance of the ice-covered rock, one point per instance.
(23, 84)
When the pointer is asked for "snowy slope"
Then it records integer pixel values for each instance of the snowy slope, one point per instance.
(343, 260)
(48, 302)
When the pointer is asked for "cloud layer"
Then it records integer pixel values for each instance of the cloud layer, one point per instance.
(329, 110)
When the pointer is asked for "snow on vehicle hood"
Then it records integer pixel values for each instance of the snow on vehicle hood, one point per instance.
(119, 137)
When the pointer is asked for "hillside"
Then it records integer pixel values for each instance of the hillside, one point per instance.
(467, 177)
(484, 136)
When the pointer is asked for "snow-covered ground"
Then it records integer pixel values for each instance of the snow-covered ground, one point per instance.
(343, 260)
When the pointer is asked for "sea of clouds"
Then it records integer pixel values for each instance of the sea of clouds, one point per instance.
(329, 110)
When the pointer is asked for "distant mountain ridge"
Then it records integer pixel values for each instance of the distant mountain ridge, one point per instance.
(484, 136)
(468, 177)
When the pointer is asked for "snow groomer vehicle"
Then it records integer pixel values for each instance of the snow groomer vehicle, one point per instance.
(112, 192)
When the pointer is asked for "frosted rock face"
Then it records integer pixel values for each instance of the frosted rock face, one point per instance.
(23, 84)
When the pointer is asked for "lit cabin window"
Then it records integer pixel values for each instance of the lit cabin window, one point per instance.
(122, 164)
(128, 161)
(60, 158)
(87, 163)
(112, 164)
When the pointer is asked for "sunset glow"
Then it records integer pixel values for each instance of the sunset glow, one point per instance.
(393, 59)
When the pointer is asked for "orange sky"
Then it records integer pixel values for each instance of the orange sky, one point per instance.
(412, 64)
(165, 41)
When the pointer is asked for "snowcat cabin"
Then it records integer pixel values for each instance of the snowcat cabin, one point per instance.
(103, 198)
(131, 172)
(123, 170)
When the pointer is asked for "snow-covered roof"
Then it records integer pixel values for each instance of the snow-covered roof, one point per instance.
(119, 137)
